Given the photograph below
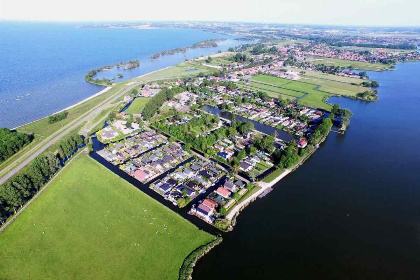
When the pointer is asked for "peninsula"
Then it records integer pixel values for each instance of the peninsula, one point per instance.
(162, 164)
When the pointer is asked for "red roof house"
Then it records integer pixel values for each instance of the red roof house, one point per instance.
(140, 175)
(223, 192)
(210, 203)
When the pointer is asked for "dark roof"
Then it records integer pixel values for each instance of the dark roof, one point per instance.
(192, 184)
(165, 187)
(204, 173)
(172, 182)
(244, 165)
(239, 183)
(183, 187)
(195, 167)
(168, 158)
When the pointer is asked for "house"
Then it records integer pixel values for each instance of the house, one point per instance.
(188, 191)
(245, 166)
(240, 184)
(223, 192)
(230, 186)
(140, 174)
(223, 155)
(217, 146)
(188, 172)
(172, 182)
(156, 165)
(204, 212)
(165, 188)
(210, 203)
(302, 143)
(168, 159)
(195, 167)
(205, 174)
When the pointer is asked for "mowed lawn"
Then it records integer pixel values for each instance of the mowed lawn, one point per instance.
(314, 98)
(138, 105)
(91, 224)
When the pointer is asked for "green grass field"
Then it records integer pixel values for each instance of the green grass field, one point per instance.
(315, 98)
(138, 105)
(348, 63)
(183, 70)
(91, 224)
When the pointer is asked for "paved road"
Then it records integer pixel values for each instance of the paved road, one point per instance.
(73, 125)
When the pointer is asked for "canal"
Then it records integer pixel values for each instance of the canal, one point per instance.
(352, 211)
(283, 135)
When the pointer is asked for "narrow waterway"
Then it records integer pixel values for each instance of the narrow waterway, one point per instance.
(283, 135)
(352, 211)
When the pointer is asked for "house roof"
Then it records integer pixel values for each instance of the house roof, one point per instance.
(223, 191)
(210, 203)
(165, 187)
(140, 174)
(205, 209)
(244, 165)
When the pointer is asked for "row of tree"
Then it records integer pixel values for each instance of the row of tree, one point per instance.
(11, 142)
(57, 117)
(157, 101)
(21, 187)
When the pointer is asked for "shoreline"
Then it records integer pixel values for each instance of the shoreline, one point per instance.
(132, 80)
(69, 107)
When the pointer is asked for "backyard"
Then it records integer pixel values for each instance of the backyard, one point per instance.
(137, 106)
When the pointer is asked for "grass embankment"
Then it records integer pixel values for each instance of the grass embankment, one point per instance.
(273, 175)
(185, 69)
(350, 64)
(137, 106)
(91, 224)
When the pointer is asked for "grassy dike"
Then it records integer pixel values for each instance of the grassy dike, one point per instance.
(91, 224)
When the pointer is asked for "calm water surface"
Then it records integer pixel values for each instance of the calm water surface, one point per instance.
(42, 65)
(350, 212)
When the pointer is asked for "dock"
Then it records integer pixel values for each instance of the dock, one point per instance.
(265, 192)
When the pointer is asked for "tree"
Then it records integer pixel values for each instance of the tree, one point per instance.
(223, 211)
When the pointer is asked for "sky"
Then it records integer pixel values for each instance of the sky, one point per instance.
(328, 12)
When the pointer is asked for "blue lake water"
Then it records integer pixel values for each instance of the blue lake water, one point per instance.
(42, 65)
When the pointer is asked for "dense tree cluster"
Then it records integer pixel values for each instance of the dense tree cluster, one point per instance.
(321, 131)
(288, 157)
(370, 84)
(57, 117)
(157, 101)
(367, 95)
(89, 78)
(239, 57)
(21, 187)
(265, 142)
(11, 142)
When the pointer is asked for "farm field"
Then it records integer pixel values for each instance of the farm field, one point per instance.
(138, 105)
(336, 78)
(347, 63)
(290, 93)
(334, 87)
(314, 98)
(91, 224)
